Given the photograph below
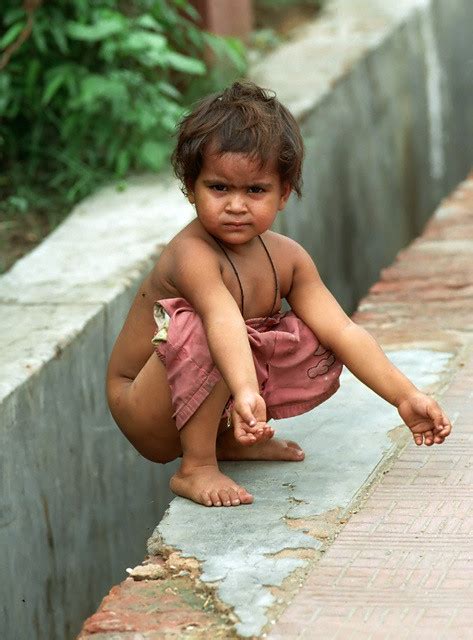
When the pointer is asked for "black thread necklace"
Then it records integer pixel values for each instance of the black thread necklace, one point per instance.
(275, 275)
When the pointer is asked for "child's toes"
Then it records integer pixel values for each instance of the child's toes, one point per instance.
(268, 433)
(206, 499)
(234, 497)
(225, 498)
(215, 497)
(261, 436)
(245, 497)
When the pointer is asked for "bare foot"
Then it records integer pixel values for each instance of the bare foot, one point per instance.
(228, 448)
(208, 486)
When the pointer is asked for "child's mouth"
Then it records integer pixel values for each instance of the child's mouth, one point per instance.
(235, 225)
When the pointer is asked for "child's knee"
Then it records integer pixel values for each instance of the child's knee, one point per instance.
(158, 451)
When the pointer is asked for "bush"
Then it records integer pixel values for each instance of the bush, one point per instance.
(92, 89)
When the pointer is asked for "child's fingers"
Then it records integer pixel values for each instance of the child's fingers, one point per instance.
(251, 435)
(418, 438)
(429, 438)
(258, 429)
(444, 429)
(241, 429)
(243, 436)
(247, 439)
(437, 416)
(246, 415)
(424, 437)
(264, 434)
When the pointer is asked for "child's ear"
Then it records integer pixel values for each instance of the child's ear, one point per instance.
(285, 193)
(190, 193)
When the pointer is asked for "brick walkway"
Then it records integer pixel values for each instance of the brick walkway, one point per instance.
(402, 568)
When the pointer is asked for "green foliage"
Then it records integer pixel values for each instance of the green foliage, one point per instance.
(285, 4)
(96, 89)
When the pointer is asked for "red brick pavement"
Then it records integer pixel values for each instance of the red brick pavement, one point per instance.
(402, 568)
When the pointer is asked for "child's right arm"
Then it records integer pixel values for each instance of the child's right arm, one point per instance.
(359, 351)
(196, 274)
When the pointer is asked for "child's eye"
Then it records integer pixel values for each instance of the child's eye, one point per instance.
(256, 189)
(218, 187)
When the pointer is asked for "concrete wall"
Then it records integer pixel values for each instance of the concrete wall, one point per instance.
(77, 503)
(382, 96)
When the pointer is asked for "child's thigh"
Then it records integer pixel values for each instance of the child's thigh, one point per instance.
(142, 408)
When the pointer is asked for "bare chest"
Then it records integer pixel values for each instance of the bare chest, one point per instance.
(258, 283)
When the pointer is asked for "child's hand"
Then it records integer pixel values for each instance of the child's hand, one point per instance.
(426, 420)
(249, 419)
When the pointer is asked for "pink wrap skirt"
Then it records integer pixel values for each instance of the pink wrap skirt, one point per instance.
(295, 372)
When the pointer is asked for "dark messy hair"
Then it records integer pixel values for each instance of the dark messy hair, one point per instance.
(242, 119)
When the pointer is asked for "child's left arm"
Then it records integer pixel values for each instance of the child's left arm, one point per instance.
(358, 350)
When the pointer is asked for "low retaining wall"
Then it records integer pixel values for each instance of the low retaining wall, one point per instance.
(72, 488)
(384, 139)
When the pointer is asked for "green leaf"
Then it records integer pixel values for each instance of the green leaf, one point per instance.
(95, 32)
(146, 21)
(196, 37)
(96, 89)
(122, 185)
(230, 48)
(145, 41)
(236, 53)
(53, 85)
(186, 65)
(57, 32)
(108, 51)
(114, 146)
(146, 118)
(19, 203)
(122, 163)
(188, 9)
(168, 90)
(153, 155)
(31, 77)
(38, 37)
(12, 15)
(5, 94)
(11, 34)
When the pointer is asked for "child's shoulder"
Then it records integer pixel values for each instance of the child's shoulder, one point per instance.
(191, 240)
(283, 246)
(188, 247)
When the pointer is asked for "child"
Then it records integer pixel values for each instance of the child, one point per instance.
(205, 346)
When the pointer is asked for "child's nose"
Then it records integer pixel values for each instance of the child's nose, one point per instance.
(236, 204)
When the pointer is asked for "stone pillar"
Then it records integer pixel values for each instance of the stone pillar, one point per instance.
(226, 17)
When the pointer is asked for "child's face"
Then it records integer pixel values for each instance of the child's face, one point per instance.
(235, 198)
